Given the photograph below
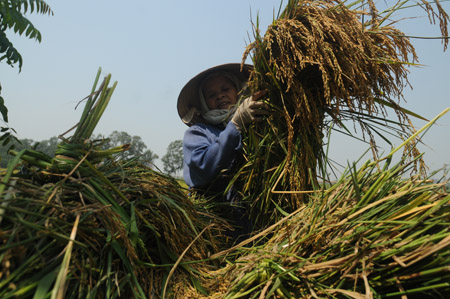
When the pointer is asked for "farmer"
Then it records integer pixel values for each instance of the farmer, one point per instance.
(216, 106)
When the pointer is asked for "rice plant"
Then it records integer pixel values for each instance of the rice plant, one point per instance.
(324, 63)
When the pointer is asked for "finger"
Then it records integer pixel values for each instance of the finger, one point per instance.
(258, 105)
(259, 94)
(257, 119)
(260, 113)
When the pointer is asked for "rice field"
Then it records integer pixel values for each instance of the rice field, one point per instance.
(82, 225)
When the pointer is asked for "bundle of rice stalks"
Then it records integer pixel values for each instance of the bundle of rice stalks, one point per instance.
(323, 62)
(79, 225)
(373, 234)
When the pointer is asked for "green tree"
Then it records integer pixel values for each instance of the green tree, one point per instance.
(48, 146)
(137, 150)
(12, 17)
(173, 159)
(18, 145)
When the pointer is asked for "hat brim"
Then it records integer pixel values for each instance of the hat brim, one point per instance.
(189, 99)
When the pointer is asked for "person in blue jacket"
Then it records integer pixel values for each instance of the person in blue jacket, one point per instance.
(216, 106)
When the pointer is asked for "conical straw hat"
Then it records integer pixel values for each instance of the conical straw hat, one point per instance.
(189, 100)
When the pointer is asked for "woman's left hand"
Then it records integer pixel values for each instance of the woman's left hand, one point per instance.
(250, 110)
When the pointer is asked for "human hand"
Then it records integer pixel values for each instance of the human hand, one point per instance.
(250, 110)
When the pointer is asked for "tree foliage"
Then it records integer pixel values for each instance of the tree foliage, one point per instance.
(173, 159)
(47, 146)
(19, 145)
(12, 17)
(137, 150)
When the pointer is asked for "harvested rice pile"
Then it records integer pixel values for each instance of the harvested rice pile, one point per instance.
(373, 234)
(80, 225)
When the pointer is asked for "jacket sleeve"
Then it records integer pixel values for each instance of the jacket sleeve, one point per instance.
(206, 153)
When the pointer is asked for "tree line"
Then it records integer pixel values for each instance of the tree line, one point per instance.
(172, 161)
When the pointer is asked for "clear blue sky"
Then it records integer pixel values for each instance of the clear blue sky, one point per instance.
(152, 48)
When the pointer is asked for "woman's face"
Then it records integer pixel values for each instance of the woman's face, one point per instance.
(220, 93)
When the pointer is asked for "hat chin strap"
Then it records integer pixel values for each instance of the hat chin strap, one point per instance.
(187, 118)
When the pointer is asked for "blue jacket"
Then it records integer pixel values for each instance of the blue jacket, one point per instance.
(208, 150)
